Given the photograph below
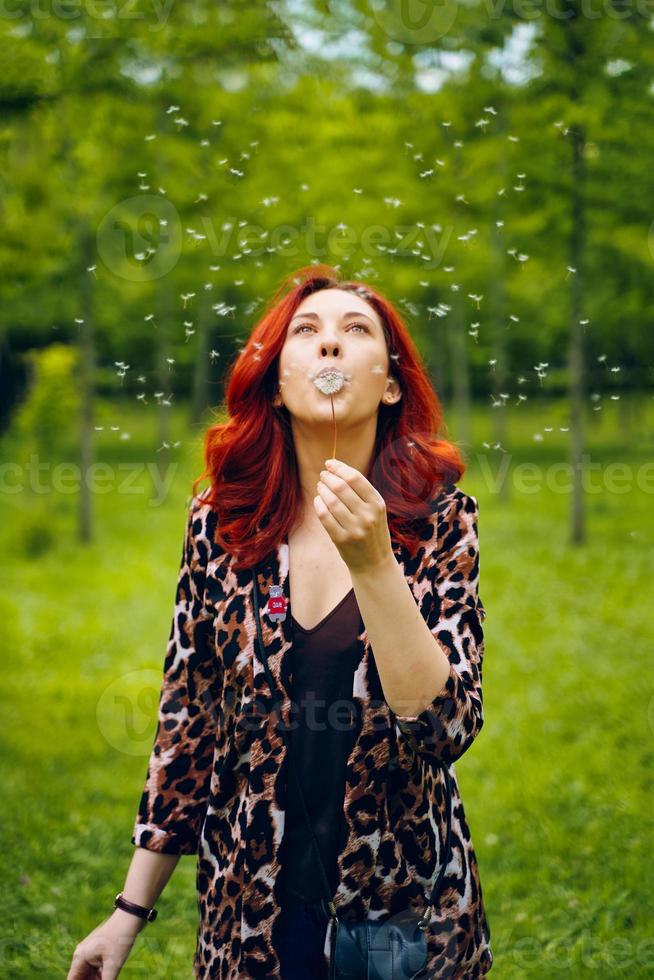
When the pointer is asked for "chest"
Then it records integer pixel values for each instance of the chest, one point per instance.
(318, 577)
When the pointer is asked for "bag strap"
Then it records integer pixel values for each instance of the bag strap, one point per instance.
(424, 922)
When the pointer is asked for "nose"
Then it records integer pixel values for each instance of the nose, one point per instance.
(330, 348)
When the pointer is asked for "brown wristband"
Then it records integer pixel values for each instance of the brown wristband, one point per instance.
(143, 913)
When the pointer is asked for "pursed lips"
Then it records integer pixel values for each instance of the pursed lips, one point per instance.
(330, 370)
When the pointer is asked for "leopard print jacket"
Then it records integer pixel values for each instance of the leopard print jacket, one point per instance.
(216, 774)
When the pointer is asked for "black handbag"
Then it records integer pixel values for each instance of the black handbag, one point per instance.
(392, 949)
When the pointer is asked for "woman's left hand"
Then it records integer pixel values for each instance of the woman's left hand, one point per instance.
(354, 515)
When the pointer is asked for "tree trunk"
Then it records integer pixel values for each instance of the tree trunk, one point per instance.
(576, 347)
(200, 396)
(87, 384)
(499, 320)
(460, 373)
(163, 370)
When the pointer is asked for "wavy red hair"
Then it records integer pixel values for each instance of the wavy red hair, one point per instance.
(250, 458)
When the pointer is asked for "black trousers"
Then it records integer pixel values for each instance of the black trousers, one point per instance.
(302, 930)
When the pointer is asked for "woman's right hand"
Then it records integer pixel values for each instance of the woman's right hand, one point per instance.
(100, 956)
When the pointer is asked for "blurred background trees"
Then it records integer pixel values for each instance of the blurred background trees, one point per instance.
(487, 167)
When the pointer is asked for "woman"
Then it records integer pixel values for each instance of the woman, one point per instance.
(374, 551)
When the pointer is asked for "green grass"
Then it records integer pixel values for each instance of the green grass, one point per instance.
(557, 788)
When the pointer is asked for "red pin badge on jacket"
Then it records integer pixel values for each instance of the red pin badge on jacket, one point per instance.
(276, 605)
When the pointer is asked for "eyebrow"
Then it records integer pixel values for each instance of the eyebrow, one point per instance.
(314, 316)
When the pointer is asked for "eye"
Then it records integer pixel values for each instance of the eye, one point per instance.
(301, 327)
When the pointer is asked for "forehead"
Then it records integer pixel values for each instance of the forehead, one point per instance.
(338, 302)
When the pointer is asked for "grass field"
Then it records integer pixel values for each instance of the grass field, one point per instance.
(557, 788)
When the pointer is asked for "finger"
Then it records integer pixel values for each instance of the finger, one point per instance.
(329, 522)
(83, 971)
(355, 479)
(80, 969)
(343, 491)
(344, 517)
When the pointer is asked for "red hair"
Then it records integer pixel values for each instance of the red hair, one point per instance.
(251, 459)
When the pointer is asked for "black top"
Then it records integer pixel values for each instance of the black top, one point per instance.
(322, 736)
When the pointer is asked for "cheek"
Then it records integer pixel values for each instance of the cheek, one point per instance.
(290, 368)
(370, 378)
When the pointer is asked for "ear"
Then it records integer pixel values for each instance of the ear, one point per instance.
(393, 391)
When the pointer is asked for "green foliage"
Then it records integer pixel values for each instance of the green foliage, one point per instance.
(37, 532)
(253, 141)
(40, 446)
(46, 421)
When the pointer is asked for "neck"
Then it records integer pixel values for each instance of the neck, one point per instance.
(312, 449)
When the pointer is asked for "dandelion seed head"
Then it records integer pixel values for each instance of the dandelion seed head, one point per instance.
(330, 382)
